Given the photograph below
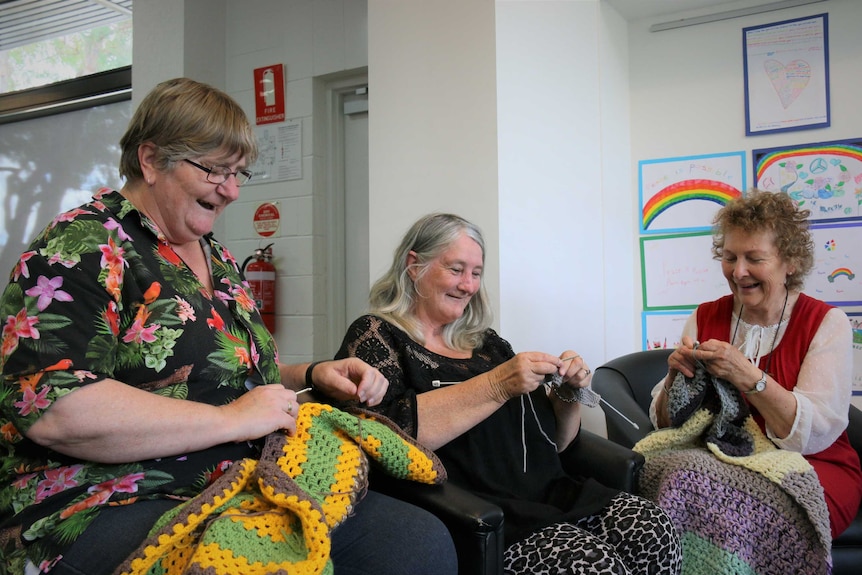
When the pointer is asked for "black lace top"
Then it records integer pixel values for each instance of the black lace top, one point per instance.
(508, 458)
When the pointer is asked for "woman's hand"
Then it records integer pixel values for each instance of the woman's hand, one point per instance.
(350, 379)
(263, 409)
(725, 361)
(574, 369)
(682, 360)
(522, 374)
(575, 374)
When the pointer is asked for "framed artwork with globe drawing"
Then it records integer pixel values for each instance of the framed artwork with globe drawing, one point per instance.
(786, 75)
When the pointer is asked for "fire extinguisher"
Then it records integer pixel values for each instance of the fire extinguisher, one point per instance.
(260, 275)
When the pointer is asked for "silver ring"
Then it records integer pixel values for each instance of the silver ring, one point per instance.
(290, 408)
(587, 371)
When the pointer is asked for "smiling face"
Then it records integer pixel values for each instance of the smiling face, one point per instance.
(183, 203)
(448, 283)
(755, 272)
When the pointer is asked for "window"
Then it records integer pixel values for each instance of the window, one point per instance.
(63, 55)
(70, 56)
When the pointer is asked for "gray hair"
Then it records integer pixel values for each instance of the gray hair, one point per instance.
(393, 296)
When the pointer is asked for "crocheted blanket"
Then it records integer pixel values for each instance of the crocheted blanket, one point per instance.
(740, 504)
(275, 514)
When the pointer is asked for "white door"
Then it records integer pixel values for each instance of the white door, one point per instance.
(346, 201)
(356, 274)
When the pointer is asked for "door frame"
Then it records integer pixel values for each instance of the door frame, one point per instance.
(336, 90)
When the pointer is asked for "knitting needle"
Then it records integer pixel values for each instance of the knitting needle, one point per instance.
(301, 391)
(635, 425)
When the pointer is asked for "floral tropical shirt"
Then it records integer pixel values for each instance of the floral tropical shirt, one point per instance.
(101, 294)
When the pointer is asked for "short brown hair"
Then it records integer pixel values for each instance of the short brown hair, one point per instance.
(186, 119)
(760, 211)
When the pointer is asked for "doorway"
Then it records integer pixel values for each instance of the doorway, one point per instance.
(347, 261)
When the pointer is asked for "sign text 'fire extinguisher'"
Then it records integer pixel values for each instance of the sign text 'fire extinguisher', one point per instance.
(259, 271)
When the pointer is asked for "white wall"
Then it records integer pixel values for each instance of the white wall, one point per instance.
(312, 39)
(432, 121)
(687, 94)
(168, 43)
(565, 214)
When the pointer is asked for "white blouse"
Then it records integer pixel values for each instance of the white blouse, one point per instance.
(824, 385)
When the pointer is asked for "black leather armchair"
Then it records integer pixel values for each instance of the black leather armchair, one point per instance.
(476, 525)
(626, 383)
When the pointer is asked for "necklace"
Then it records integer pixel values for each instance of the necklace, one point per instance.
(777, 327)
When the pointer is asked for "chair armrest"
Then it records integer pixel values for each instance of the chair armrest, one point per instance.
(854, 428)
(450, 503)
(609, 463)
(476, 525)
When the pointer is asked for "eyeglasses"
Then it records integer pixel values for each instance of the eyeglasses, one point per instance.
(220, 174)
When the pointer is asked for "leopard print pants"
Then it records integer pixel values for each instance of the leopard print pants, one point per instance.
(631, 536)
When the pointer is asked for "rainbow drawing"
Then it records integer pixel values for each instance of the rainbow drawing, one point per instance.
(710, 190)
(844, 150)
(840, 272)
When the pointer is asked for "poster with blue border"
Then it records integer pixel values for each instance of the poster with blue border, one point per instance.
(856, 325)
(837, 274)
(824, 178)
(663, 329)
(682, 194)
(786, 75)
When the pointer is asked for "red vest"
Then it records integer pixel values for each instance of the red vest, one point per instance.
(837, 466)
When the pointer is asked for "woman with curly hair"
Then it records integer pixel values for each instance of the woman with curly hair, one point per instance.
(783, 361)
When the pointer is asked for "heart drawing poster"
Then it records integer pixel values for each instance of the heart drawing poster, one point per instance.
(786, 68)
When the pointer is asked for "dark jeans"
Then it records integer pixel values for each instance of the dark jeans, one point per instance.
(385, 536)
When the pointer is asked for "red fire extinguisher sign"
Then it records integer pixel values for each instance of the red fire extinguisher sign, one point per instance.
(269, 94)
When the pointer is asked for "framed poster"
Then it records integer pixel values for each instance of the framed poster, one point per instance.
(678, 271)
(280, 156)
(786, 75)
(682, 194)
(837, 274)
(824, 178)
(662, 329)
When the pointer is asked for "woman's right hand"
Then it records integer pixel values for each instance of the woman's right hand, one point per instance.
(682, 360)
(521, 374)
(264, 409)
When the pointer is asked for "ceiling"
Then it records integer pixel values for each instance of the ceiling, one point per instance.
(26, 21)
(640, 9)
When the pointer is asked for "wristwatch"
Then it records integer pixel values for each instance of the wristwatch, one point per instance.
(759, 385)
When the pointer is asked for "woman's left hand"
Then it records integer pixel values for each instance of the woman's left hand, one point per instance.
(574, 369)
(723, 360)
(350, 379)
